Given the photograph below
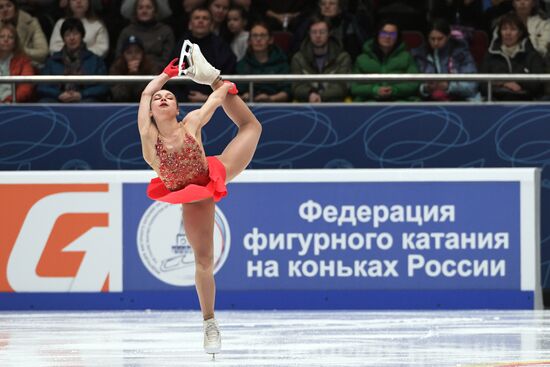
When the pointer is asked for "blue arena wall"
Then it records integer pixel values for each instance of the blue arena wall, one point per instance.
(97, 137)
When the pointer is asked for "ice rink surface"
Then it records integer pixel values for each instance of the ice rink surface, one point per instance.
(276, 338)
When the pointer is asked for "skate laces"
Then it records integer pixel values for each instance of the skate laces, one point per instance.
(211, 331)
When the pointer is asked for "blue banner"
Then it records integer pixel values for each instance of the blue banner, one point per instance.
(320, 236)
(313, 239)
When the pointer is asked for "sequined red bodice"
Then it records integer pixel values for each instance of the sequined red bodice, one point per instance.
(187, 166)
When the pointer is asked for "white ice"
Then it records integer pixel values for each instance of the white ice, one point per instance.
(276, 338)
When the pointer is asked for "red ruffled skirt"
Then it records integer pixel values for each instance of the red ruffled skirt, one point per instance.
(214, 189)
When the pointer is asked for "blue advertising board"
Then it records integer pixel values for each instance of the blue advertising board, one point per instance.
(313, 239)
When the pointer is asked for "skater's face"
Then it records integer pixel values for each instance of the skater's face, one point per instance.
(200, 23)
(7, 10)
(164, 104)
(145, 10)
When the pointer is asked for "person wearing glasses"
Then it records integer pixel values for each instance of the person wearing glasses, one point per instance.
(263, 57)
(385, 54)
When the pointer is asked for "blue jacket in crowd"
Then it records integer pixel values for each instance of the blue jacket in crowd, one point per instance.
(90, 64)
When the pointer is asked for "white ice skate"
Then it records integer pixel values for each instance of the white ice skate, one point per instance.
(212, 337)
(198, 69)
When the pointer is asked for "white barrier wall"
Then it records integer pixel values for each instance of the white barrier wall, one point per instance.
(314, 239)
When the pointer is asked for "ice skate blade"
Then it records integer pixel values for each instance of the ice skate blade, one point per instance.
(212, 350)
(186, 49)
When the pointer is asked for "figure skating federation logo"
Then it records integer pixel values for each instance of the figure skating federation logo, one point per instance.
(164, 249)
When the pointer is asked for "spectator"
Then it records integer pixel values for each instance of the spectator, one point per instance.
(512, 52)
(445, 55)
(385, 55)
(157, 38)
(97, 38)
(132, 61)
(263, 57)
(237, 19)
(214, 49)
(30, 34)
(73, 59)
(13, 61)
(537, 24)
(219, 9)
(344, 27)
(320, 53)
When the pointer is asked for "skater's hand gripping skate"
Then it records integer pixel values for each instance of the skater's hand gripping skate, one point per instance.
(232, 87)
(173, 68)
(199, 70)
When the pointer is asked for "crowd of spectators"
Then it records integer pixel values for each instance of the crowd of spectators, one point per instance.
(139, 37)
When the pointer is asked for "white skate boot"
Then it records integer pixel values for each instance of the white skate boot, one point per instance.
(212, 337)
(198, 69)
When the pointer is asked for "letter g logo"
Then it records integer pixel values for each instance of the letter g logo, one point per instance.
(61, 238)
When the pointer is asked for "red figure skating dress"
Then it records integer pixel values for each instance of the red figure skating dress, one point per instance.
(186, 176)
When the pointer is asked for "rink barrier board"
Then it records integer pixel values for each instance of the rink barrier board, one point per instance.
(131, 285)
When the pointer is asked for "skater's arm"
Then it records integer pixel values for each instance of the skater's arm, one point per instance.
(144, 119)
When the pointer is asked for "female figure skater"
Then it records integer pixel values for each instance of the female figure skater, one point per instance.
(174, 150)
